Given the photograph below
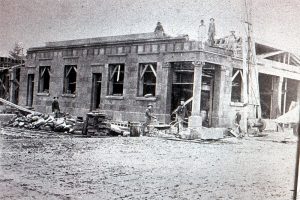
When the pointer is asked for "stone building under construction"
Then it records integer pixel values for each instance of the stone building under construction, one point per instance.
(120, 75)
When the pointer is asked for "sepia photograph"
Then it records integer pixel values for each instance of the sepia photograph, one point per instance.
(149, 99)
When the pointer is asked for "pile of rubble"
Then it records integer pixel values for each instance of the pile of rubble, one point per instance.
(38, 121)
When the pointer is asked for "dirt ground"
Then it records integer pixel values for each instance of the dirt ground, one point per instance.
(49, 166)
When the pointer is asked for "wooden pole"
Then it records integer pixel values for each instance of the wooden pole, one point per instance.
(297, 162)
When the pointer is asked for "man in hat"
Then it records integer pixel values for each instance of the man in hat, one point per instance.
(237, 121)
(232, 42)
(55, 107)
(148, 116)
(159, 30)
(211, 32)
(202, 34)
(181, 113)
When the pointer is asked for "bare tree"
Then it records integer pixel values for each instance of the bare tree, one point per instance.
(17, 52)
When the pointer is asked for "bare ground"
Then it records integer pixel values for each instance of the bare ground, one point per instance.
(47, 166)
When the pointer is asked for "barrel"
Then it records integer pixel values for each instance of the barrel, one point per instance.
(134, 128)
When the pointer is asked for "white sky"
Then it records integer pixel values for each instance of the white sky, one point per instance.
(34, 22)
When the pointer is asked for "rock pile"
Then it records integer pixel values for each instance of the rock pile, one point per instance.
(47, 122)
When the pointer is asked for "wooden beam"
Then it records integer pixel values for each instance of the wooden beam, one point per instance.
(284, 95)
(153, 70)
(143, 72)
(265, 55)
(48, 70)
(113, 72)
(68, 72)
(296, 58)
(75, 69)
(236, 73)
(188, 101)
(43, 72)
(119, 71)
(16, 106)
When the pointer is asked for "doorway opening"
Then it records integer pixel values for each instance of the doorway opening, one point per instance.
(182, 88)
(96, 91)
(30, 89)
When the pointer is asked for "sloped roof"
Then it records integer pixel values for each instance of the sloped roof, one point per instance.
(271, 53)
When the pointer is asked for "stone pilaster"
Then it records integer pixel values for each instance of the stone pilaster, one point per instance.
(195, 120)
(222, 96)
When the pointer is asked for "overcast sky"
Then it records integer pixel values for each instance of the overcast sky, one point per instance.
(34, 22)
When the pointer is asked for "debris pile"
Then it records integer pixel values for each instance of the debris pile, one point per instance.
(47, 122)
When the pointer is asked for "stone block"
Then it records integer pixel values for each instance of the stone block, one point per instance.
(211, 133)
(190, 134)
(6, 117)
(195, 122)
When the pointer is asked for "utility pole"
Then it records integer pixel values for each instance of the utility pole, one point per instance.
(250, 72)
(297, 160)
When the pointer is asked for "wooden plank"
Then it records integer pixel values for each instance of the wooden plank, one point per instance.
(43, 72)
(236, 73)
(143, 72)
(16, 106)
(119, 71)
(153, 70)
(113, 72)
(265, 55)
(188, 101)
(234, 133)
(48, 69)
(75, 69)
(67, 74)
(284, 95)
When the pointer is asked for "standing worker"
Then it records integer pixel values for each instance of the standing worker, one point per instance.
(237, 120)
(180, 115)
(159, 30)
(211, 32)
(55, 107)
(202, 34)
(148, 117)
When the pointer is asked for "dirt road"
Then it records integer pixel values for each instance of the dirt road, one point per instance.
(48, 166)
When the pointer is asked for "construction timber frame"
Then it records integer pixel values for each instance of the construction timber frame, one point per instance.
(10, 78)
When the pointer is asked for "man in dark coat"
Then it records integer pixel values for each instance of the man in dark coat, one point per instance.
(237, 120)
(55, 107)
(159, 30)
(181, 113)
(148, 116)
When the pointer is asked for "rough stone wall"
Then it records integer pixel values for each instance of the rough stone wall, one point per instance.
(222, 111)
(74, 104)
(129, 107)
